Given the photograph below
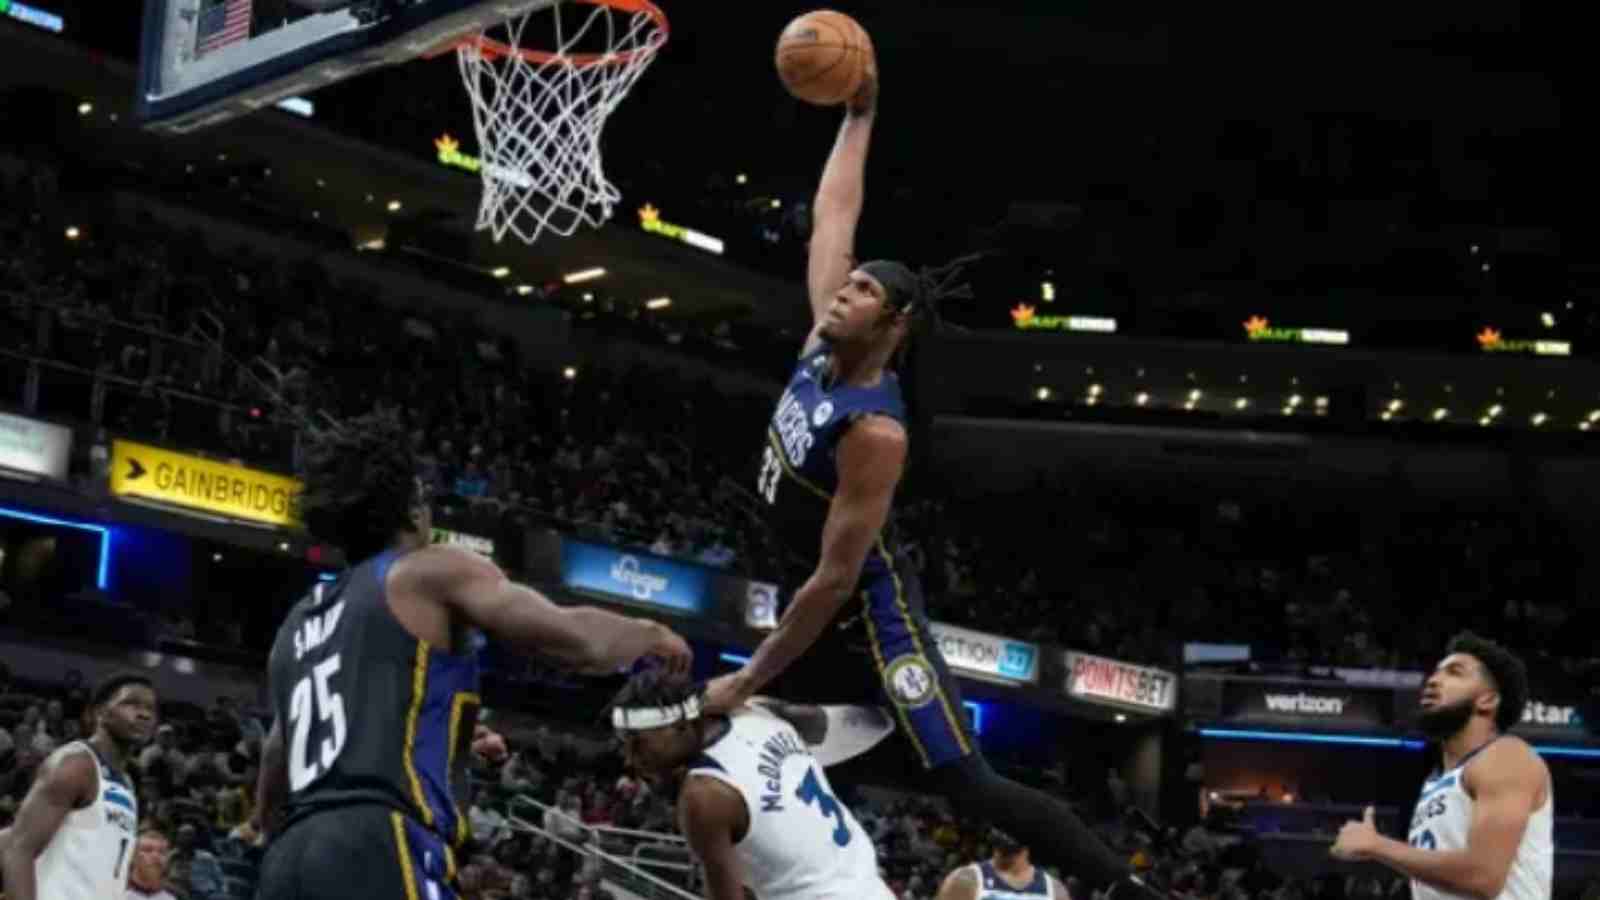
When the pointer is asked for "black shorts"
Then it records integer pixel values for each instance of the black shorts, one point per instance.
(357, 851)
(882, 653)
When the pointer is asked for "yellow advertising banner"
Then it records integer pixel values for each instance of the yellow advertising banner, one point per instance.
(224, 489)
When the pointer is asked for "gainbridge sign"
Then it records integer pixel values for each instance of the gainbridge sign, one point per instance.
(139, 471)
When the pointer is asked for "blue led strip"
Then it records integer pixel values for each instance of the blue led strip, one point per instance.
(1300, 737)
(735, 658)
(104, 532)
(977, 715)
(1297, 737)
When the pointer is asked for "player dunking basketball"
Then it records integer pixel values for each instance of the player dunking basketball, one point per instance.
(374, 680)
(855, 631)
(1482, 827)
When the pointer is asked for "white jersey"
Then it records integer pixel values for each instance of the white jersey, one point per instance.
(1444, 816)
(92, 851)
(802, 843)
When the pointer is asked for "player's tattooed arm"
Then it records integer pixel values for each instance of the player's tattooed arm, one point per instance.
(962, 884)
(714, 818)
(65, 782)
(871, 458)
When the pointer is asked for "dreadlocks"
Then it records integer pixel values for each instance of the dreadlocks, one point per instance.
(1506, 671)
(360, 483)
(921, 294)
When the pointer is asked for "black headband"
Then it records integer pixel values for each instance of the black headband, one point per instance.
(923, 291)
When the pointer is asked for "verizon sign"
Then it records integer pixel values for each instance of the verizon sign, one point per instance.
(1112, 682)
(1316, 704)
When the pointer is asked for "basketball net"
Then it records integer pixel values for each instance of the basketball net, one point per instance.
(539, 115)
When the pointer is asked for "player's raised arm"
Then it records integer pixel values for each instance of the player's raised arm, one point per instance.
(66, 781)
(712, 815)
(837, 206)
(871, 458)
(583, 638)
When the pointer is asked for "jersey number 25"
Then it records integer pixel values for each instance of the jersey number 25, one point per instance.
(328, 711)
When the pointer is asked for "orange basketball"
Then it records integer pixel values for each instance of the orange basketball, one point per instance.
(823, 56)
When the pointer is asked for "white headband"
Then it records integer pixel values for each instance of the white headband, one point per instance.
(644, 718)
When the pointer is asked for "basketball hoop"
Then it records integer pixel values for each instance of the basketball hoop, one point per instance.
(539, 115)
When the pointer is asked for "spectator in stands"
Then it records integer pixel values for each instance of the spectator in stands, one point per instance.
(565, 820)
(193, 873)
(147, 877)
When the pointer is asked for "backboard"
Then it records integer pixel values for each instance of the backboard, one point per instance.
(203, 62)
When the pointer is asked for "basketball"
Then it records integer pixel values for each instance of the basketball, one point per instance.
(823, 57)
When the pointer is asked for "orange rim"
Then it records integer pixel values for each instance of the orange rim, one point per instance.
(492, 49)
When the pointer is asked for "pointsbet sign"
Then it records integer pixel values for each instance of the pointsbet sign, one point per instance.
(189, 482)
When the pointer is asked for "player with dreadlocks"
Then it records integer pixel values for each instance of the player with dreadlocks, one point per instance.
(374, 678)
(855, 631)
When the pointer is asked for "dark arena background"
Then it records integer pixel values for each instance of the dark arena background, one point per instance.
(1282, 367)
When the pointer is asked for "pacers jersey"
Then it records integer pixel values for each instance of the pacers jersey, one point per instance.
(798, 473)
(802, 843)
(89, 857)
(1444, 816)
(369, 713)
(994, 886)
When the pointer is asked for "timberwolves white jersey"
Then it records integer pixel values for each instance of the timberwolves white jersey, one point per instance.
(89, 857)
(802, 843)
(1444, 816)
(992, 886)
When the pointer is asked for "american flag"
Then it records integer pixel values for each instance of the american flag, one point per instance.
(222, 22)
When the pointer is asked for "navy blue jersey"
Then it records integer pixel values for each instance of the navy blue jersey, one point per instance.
(993, 886)
(371, 714)
(799, 469)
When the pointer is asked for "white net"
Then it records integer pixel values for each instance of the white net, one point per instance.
(539, 116)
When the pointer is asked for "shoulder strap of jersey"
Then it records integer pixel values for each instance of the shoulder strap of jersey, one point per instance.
(710, 768)
(100, 768)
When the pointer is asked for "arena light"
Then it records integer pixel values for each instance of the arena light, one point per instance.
(1495, 411)
(104, 532)
(1396, 404)
(1094, 390)
(86, 108)
(1538, 419)
(1594, 415)
(588, 297)
(73, 233)
(735, 659)
(299, 106)
(1141, 398)
(1583, 426)
(1548, 320)
(1241, 403)
(583, 275)
(1041, 393)
(1195, 395)
(395, 206)
(524, 289)
(35, 17)
(1047, 292)
(1295, 400)
(655, 303)
(741, 178)
(569, 373)
(327, 577)
(500, 271)
(1322, 402)
(1440, 413)
(1386, 415)
(1122, 717)
(1300, 737)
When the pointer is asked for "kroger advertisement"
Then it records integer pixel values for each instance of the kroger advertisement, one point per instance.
(635, 577)
(987, 656)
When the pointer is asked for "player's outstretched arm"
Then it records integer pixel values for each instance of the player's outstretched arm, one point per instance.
(870, 459)
(1506, 783)
(962, 884)
(581, 637)
(712, 814)
(65, 781)
(837, 206)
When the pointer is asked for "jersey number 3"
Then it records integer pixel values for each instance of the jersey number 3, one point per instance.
(328, 710)
(767, 482)
(811, 792)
